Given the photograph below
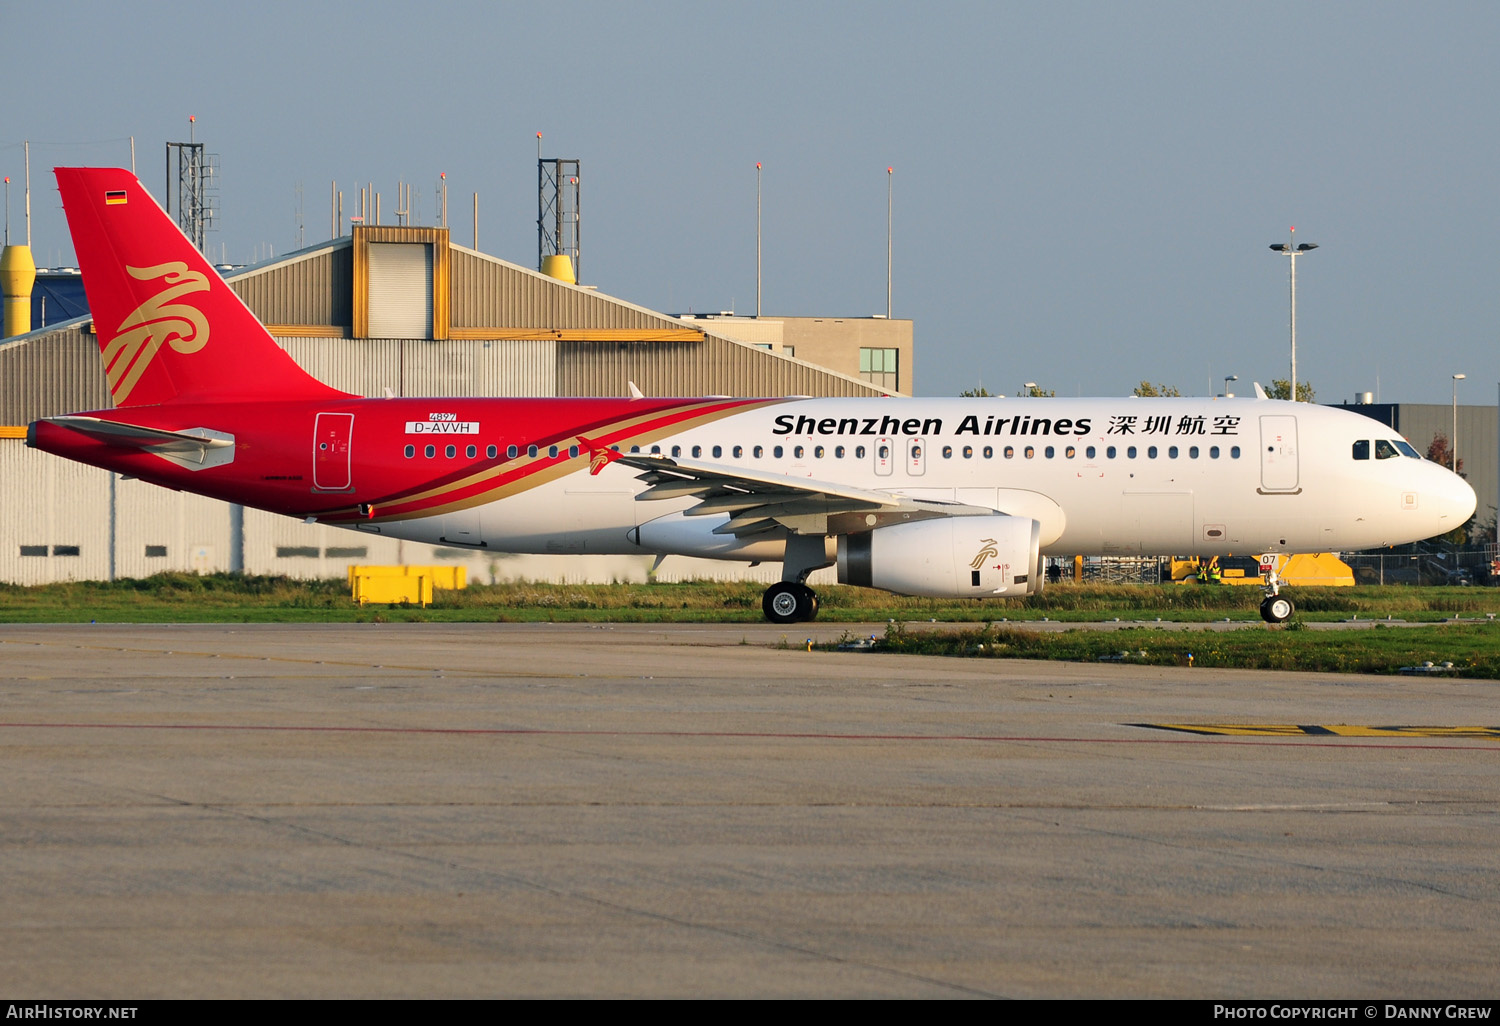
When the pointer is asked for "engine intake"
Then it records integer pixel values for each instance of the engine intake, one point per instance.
(952, 557)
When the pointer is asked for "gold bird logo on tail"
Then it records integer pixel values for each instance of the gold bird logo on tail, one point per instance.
(155, 323)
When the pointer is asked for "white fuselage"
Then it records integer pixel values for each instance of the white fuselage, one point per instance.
(1101, 476)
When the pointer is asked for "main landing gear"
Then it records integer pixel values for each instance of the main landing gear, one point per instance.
(790, 602)
(1275, 608)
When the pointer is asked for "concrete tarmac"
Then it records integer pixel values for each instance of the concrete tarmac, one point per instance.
(508, 810)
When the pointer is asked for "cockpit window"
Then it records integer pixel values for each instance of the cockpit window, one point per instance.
(1407, 450)
(1385, 450)
(1362, 449)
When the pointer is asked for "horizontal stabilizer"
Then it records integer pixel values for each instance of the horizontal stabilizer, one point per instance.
(194, 448)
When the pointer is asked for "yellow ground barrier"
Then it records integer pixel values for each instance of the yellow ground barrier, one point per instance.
(404, 585)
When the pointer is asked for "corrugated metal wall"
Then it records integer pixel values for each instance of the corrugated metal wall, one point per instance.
(48, 506)
(419, 367)
(157, 529)
(312, 290)
(51, 373)
(714, 366)
(488, 293)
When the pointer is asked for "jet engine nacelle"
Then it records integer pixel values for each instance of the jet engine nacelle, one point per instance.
(952, 557)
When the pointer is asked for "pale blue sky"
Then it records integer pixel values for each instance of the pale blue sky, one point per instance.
(1084, 192)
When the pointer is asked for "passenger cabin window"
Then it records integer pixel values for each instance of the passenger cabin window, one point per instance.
(739, 451)
(1385, 450)
(451, 451)
(411, 450)
(760, 451)
(492, 451)
(697, 451)
(859, 452)
(531, 451)
(947, 452)
(676, 450)
(511, 452)
(1030, 452)
(471, 452)
(1362, 449)
(1010, 452)
(430, 451)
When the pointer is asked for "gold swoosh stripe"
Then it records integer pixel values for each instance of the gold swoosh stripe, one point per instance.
(525, 473)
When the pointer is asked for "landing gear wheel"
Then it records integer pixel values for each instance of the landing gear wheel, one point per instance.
(789, 603)
(1276, 609)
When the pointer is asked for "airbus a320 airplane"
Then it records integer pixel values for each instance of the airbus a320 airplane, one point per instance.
(953, 498)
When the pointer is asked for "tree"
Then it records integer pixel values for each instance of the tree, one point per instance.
(1146, 390)
(976, 393)
(1439, 453)
(1038, 393)
(1279, 390)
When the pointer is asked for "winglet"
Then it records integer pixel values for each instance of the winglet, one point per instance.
(635, 393)
(1260, 393)
(600, 456)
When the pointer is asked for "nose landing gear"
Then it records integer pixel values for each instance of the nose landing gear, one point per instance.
(1275, 608)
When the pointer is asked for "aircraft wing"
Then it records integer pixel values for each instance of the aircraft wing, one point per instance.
(199, 446)
(756, 502)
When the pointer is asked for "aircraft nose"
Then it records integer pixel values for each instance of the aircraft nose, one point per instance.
(1452, 500)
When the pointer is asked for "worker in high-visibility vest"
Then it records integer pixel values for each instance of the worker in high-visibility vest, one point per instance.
(1210, 572)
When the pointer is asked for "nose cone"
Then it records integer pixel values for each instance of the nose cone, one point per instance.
(1450, 500)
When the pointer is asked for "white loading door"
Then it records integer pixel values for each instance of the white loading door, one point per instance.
(1278, 453)
(400, 290)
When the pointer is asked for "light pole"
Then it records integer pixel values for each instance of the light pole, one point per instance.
(1294, 252)
(890, 175)
(1029, 386)
(1453, 438)
(1228, 380)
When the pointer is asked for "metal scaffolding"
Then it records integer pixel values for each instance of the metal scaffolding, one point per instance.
(193, 178)
(557, 212)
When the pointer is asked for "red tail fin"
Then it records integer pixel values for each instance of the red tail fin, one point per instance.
(169, 327)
